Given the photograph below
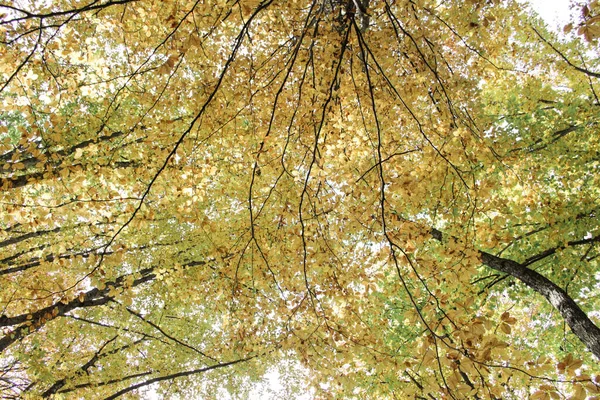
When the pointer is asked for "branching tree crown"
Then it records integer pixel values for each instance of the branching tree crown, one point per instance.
(372, 199)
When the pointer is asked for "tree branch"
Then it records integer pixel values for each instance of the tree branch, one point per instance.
(176, 375)
(577, 320)
(29, 323)
(583, 70)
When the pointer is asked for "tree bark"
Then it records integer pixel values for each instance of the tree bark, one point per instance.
(577, 320)
(28, 323)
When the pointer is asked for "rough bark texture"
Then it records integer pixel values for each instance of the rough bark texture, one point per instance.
(577, 320)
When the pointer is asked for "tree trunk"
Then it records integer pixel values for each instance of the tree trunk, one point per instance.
(577, 320)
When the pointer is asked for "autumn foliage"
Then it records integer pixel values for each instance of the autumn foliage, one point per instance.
(356, 198)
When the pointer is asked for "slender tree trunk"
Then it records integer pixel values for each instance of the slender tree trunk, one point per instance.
(577, 320)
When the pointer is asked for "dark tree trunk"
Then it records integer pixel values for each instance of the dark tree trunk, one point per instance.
(577, 320)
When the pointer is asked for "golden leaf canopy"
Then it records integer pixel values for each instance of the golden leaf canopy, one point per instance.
(350, 198)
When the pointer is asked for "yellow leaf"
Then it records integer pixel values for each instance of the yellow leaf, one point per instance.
(568, 28)
(539, 395)
(579, 393)
(505, 328)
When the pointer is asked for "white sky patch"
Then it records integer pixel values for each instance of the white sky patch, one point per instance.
(556, 13)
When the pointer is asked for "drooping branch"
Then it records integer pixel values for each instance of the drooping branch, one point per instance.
(171, 337)
(553, 250)
(84, 368)
(29, 323)
(14, 182)
(177, 375)
(28, 235)
(35, 15)
(90, 298)
(22, 154)
(106, 383)
(36, 261)
(582, 70)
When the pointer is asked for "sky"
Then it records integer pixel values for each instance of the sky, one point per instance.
(554, 12)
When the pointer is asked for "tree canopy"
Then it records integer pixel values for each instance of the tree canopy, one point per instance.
(361, 198)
